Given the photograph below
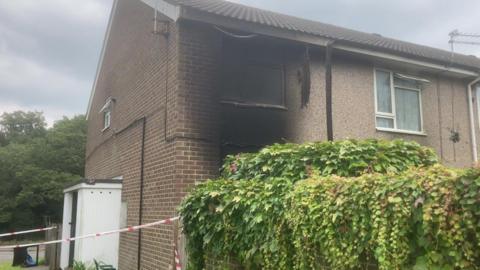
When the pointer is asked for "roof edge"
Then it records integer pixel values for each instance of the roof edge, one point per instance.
(192, 14)
(93, 182)
(100, 60)
(168, 9)
(468, 72)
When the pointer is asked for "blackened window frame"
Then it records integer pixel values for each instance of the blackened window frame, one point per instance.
(245, 62)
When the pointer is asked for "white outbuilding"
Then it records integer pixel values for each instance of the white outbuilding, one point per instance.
(91, 206)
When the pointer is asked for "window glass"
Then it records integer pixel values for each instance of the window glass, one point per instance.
(384, 93)
(106, 119)
(407, 103)
(384, 122)
(405, 83)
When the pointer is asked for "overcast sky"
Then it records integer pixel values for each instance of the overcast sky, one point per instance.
(49, 48)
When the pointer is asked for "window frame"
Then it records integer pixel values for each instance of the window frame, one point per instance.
(274, 64)
(107, 110)
(392, 115)
(106, 124)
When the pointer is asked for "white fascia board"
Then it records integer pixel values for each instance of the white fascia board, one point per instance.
(96, 186)
(102, 55)
(169, 10)
(401, 59)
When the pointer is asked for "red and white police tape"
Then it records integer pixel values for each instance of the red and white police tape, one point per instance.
(93, 235)
(27, 231)
(178, 265)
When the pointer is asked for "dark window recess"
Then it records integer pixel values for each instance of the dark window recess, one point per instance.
(253, 73)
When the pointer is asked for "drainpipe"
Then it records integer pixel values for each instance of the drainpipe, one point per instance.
(140, 210)
(472, 121)
(328, 89)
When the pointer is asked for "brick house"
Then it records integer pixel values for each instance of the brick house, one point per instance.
(182, 83)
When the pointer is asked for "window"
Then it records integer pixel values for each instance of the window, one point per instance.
(106, 119)
(107, 113)
(252, 73)
(398, 102)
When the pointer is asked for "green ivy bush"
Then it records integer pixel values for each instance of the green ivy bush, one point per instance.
(238, 219)
(343, 158)
(343, 205)
(420, 219)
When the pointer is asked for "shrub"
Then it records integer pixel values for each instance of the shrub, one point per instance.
(77, 265)
(241, 218)
(343, 158)
(421, 219)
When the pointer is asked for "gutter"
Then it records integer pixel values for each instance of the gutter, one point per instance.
(405, 60)
(472, 121)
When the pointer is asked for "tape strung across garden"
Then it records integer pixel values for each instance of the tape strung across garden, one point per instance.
(93, 235)
(28, 231)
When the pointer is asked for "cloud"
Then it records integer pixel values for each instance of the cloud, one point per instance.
(29, 83)
(48, 53)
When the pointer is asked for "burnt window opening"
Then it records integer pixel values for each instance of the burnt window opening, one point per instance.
(253, 73)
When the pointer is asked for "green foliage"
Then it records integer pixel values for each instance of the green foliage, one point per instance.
(8, 266)
(77, 265)
(20, 127)
(63, 147)
(421, 219)
(235, 217)
(343, 158)
(424, 217)
(35, 165)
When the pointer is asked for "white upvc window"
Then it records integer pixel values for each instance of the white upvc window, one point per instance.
(107, 113)
(398, 102)
(107, 117)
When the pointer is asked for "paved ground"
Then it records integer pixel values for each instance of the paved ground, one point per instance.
(6, 256)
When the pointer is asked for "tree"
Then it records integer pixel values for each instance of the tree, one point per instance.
(20, 127)
(35, 165)
(63, 147)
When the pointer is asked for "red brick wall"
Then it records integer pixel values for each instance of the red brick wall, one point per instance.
(137, 69)
(197, 136)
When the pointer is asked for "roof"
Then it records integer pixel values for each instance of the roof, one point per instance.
(93, 182)
(339, 34)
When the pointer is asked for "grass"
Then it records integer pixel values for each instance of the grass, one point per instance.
(8, 266)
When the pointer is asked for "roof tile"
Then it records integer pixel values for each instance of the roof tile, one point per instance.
(282, 21)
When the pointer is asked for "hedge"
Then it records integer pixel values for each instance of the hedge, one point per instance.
(414, 215)
(420, 219)
(344, 158)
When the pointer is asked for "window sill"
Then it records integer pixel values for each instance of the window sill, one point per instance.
(253, 105)
(105, 129)
(399, 131)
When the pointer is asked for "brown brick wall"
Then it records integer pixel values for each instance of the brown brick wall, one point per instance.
(136, 72)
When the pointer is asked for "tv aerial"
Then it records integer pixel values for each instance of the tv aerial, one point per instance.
(457, 37)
